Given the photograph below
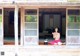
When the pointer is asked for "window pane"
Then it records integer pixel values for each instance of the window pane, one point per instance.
(73, 12)
(73, 40)
(71, 18)
(0, 18)
(0, 25)
(31, 12)
(0, 31)
(74, 19)
(30, 32)
(31, 18)
(78, 18)
(73, 32)
(31, 25)
(74, 25)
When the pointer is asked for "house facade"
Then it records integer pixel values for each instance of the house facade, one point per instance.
(20, 20)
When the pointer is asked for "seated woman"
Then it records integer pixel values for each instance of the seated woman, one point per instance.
(56, 36)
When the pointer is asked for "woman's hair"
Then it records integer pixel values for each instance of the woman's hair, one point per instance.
(57, 28)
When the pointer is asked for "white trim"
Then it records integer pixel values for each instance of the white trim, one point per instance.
(29, 36)
(30, 22)
(66, 25)
(73, 29)
(72, 36)
(38, 24)
(16, 24)
(30, 29)
(16, 28)
(1, 28)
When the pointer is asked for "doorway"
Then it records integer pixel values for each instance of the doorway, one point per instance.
(9, 26)
(49, 19)
(9, 37)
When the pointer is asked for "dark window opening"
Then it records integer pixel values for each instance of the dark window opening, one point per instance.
(49, 19)
(9, 37)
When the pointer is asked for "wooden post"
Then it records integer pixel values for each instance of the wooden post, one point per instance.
(22, 26)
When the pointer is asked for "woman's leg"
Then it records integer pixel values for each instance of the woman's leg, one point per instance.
(59, 42)
(52, 42)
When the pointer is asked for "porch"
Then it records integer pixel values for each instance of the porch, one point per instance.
(40, 51)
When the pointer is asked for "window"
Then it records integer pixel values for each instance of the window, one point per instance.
(73, 31)
(30, 23)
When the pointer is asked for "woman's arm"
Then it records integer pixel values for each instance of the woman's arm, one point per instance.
(53, 34)
(59, 35)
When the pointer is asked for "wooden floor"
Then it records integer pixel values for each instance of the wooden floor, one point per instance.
(42, 43)
(10, 43)
(13, 43)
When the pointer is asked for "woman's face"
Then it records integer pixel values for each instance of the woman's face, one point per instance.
(56, 29)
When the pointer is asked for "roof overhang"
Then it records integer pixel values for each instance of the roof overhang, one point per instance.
(40, 3)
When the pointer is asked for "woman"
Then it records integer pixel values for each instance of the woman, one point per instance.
(56, 36)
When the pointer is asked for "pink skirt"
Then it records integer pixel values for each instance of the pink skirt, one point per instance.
(55, 42)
